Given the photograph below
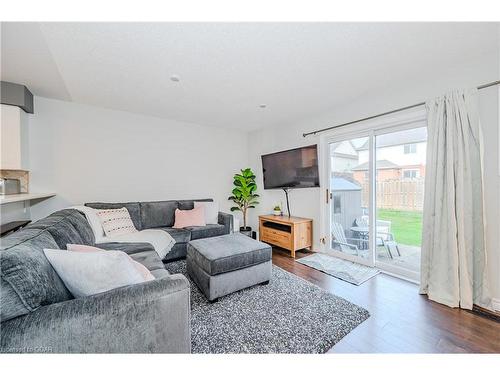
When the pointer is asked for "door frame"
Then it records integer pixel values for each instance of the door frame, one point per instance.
(409, 119)
(327, 207)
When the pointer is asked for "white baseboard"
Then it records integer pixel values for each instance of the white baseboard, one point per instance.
(495, 304)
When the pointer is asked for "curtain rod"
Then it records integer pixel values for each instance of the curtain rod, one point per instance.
(486, 85)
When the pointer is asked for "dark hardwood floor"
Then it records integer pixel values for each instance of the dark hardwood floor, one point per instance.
(401, 321)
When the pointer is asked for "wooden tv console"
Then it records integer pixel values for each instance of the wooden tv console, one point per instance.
(291, 233)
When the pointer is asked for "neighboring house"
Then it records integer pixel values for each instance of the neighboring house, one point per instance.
(344, 156)
(386, 170)
(400, 155)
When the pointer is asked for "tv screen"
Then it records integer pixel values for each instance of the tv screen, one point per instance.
(297, 168)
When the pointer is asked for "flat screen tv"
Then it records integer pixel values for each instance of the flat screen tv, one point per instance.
(293, 169)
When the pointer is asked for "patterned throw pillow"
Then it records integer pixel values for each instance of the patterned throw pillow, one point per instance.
(116, 222)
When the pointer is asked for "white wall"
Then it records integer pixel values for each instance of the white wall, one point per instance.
(86, 153)
(305, 202)
(13, 138)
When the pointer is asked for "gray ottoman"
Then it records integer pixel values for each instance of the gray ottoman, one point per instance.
(225, 264)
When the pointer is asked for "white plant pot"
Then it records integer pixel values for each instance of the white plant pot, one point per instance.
(277, 213)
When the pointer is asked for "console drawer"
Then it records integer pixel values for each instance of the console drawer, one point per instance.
(273, 233)
(276, 240)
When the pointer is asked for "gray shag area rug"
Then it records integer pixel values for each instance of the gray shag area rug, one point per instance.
(351, 272)
(289, 315)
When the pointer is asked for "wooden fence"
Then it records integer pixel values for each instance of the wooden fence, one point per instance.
(397, 194)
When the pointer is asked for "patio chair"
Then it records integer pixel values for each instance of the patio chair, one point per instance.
(342, 242)
(384, 236)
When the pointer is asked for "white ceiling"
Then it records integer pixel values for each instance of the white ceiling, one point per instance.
(228, 69)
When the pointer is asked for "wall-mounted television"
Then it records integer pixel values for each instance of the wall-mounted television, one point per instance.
(292, 169)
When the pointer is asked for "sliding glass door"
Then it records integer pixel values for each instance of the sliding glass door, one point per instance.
(399, 186)
(375, 198)
(349, 199)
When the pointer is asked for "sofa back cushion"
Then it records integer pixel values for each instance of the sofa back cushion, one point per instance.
(67, 226)
(132, 207)
(158, 214)
(162, 213)
(189, 204)
(28, 281)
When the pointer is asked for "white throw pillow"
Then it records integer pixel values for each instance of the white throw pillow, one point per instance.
(86, 274)
(94, 221)
(146, 275)
(116, 222)
(211, 211)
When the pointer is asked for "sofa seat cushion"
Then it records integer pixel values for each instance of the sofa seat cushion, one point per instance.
(150, 259)
(158, 214)
(127, 247)
(133, 208)
(179, 235)
(160, 273)
(209, 230)
(141, 252)
(216, 255)
(178, 251)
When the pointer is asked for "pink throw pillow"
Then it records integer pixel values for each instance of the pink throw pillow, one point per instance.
(146, 275)
(190, 218)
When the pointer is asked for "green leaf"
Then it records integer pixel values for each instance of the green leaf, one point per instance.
(243, 193)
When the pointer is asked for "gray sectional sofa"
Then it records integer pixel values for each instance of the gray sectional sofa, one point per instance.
(39, 314)
(161, 215)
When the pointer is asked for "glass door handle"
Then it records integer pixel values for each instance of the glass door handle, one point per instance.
(328, 196)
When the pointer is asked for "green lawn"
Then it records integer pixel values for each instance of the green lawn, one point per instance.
(406, 225)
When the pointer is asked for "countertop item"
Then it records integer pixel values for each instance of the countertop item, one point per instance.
(9, 186)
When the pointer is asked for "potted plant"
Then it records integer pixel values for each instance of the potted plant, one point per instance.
(244, 196)
(277, 210)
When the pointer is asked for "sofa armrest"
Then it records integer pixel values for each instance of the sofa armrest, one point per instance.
(227, 221)
(151, 317)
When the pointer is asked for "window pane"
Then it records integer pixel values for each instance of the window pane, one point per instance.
(350, 186)
(399, 197)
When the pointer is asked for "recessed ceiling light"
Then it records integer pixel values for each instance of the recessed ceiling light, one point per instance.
(175, 78)
(263, 105)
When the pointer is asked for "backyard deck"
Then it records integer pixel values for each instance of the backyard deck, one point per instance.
(409, 258)
(406, 229)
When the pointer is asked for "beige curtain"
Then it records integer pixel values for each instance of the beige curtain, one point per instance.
(453, 269)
